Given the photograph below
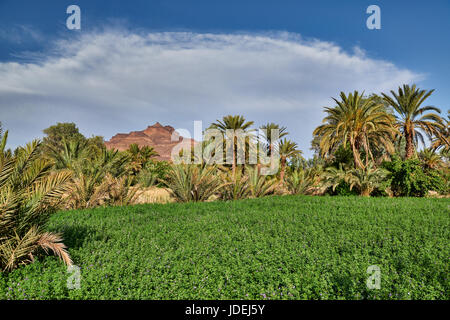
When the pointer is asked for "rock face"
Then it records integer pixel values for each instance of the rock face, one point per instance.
(157, 136)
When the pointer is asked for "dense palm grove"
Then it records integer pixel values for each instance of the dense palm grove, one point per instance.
(366, 145)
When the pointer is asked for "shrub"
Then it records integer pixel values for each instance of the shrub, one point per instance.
(29, 194)
(300, 181)
(260, 185)
(193, 182)
(409, 178)
(236, 187)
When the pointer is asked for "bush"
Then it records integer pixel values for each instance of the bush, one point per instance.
(29, 194)
(189, 182)
(160, 170)
(409, 178)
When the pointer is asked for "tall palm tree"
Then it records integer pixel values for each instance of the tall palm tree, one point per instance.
(413, 116)
(268, 127)
(287, 149)
(442, 137)
(360, 122)
(230, 122)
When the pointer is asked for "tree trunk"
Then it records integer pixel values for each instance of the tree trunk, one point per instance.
(233, 166)
(283, 168)
(357, 159)
(409, 148)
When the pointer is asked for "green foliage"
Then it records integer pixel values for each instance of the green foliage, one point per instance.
(29, 194)
(413, 115)
(139, 157)
(158, 169)
(410, 178)
(259, 185)
(343, 180)
(343, 156)
(343, 189)
(56, 134)
(300, 181)
(193, 182)
(236, 186)
(280, 247)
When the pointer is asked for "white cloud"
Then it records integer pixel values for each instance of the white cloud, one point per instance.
(114, 81)
(20, 34)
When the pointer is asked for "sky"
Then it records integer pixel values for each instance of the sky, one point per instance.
(134, 63)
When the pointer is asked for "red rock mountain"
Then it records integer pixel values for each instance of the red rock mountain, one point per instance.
(157, 136)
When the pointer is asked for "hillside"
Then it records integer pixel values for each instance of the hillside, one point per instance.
(157, 136)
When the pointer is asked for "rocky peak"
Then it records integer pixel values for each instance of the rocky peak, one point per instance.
(157, 136)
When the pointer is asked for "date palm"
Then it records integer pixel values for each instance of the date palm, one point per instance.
(442, 137)
(269, 139)
(430, 159)
(259, 185)
(360, 122)
(69, 154)
(29, 193)
(287, 149)
(190, 182)
(412, 116)
(300, 181)
(140, 156)
(365, 180)
(230, 122)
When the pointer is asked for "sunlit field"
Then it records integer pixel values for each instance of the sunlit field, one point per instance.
(276, 247)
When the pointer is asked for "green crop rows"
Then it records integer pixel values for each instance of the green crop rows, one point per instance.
(287, 247)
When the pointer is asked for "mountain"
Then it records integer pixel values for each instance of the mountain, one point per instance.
(157, 136)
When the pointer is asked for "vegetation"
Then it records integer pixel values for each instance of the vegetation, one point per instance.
(275, 247)
(30, 193)
(408, 104)
(282, 247)
(360, 122)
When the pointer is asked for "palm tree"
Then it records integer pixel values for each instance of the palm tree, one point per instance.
(69, 154)
(29, 193)
(287, 149)
(366, 180)
(259, 185)
(140, 156)
(235, 187)
(193, 182)
(412, 116)
(430, 159)
(360, 122)
(300, 181)
(3, 152)
(442, 138)
(268, 134)
(232, 123)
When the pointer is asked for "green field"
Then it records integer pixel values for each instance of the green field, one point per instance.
(287, 247)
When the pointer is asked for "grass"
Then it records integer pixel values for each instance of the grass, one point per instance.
(286, 247)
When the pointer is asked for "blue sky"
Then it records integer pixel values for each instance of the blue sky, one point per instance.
(413, 40)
